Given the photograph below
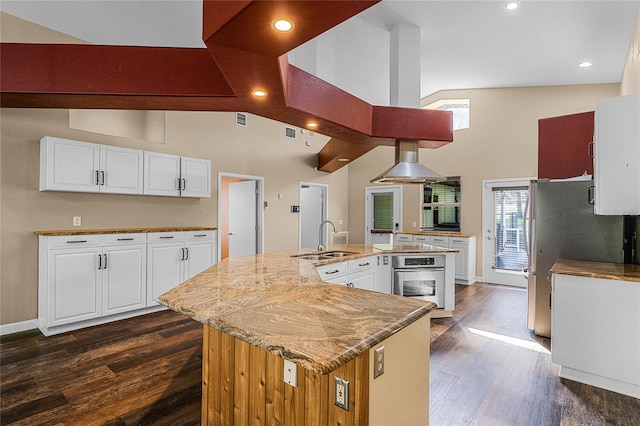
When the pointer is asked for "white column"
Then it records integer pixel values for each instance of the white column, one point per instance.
(404, 73)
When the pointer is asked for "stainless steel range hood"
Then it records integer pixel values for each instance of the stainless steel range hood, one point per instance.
(407, 168)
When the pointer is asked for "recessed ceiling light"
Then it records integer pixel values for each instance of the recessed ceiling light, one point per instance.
(282, 25)
(585, 64)
(511, 5)
(312, 125)
(259, 93)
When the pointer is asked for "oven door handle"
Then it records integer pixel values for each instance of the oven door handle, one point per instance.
(421, 269)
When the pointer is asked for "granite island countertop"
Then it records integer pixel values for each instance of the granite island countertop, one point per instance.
(278, 303)
(605, 270)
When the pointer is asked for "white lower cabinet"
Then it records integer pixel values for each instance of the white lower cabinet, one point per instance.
(360, 273)
(402, 238)
(85, 280)
(174, 257)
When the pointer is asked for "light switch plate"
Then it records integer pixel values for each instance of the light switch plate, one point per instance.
(77, 221)
(290, 373)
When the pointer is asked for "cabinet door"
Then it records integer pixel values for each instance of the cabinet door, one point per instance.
(196, 177)
(365, 280)
(161, 174)
(124, 278)
(121, 170)
(461, 260)
(67, 165)
(199, 256)
(563, 146)
(378, 238)
(617, 156)
(74, 284)
(164, 269)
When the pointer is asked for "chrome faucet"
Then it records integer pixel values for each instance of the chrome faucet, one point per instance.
(320, 245)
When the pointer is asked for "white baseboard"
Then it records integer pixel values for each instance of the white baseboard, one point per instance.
(17, 327)
(630, 389)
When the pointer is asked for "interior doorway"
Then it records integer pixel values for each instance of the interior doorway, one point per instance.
(313, 211)
(504, 250)
(240, 225)
(383, 210)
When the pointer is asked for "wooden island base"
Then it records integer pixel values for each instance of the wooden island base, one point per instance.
(244, 384)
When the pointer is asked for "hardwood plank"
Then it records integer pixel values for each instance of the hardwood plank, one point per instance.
(257, 386)
(227, 368)
(362, 379)
(274, 390)
(241, 383)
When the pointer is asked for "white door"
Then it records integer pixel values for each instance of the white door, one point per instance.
(383, 210)
(196, 177)
(313, 210)
(504, 241)
(164, 269)
(161, 174)
(124, 278)
(74, 285)
(121, 170)
(243, 210)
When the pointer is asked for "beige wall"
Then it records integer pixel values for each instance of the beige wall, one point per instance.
(630, 82)
(259, 149)
(501, 143)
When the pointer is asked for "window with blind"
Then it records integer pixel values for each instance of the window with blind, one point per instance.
(441, 205)
(509, 243)
(383, 211)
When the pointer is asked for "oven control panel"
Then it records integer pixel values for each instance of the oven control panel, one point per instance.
(405, 261)
(419, 261)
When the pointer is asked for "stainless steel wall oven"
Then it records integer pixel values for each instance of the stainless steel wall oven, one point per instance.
(420, 277)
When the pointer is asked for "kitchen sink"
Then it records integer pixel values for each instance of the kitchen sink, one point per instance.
(323, 255)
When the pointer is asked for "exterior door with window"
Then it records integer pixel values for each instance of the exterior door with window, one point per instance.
(383, 210)
(505, 250)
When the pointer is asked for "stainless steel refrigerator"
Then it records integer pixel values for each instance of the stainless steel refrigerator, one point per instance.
(561, 225)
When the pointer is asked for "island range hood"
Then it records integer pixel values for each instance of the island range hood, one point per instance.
(407, 168)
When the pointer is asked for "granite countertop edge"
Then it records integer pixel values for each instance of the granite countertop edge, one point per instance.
(604, 270)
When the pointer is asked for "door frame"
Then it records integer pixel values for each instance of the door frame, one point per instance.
(259, 205)
(487, 188)
(368, 213)
(325, 210)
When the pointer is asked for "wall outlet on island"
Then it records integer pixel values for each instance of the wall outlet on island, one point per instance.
(77, 220)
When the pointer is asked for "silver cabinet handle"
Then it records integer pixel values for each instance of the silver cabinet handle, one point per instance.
(182, 253)
(200, 235)
(97, 177)
(364, 264)
(179, 184)
(101, 177)
(99, 261)
(166, 238)
(105, 262)
(332, 272)
(187, 251)
(125, 239)
(184, 184)
(76, 241)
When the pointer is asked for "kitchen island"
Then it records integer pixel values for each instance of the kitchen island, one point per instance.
(259, 311)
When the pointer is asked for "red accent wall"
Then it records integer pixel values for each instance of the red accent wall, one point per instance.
(563, 144)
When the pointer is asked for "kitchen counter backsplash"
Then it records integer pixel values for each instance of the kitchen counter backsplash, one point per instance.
(54, 233)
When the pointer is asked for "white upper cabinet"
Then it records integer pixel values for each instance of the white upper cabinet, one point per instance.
(617, 156)
(175, 176)
(68, 165)
(120, 170)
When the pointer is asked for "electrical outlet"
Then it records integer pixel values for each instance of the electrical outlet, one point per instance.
(77, 221)
(341, 392)
(340, 222)
(415, 225)
(378, 365)
(290, 373)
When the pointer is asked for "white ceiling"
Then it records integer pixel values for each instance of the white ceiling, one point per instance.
(464, 44)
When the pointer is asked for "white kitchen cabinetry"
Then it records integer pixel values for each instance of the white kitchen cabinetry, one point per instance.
(422, 239)
(403, 238)
(174, 257)
(595, 332)
(439, 241)
(381, 238)
(617, 156)
(175, 176)
(88, 277)
(68, 165)
(465, 259)
(361, 273)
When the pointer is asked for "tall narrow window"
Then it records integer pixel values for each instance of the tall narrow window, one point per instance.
(509, 242)
(383, 211)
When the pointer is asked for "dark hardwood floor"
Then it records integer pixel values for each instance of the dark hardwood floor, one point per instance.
(486, 368)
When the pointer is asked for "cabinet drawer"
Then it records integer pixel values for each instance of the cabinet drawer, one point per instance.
(439, 241)
(420, 239)
(198, 235)
(404, 238)
(458, 241)
(363, 264)
(122, 239)
(74, 241)
(164, 237)
(333, 270)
